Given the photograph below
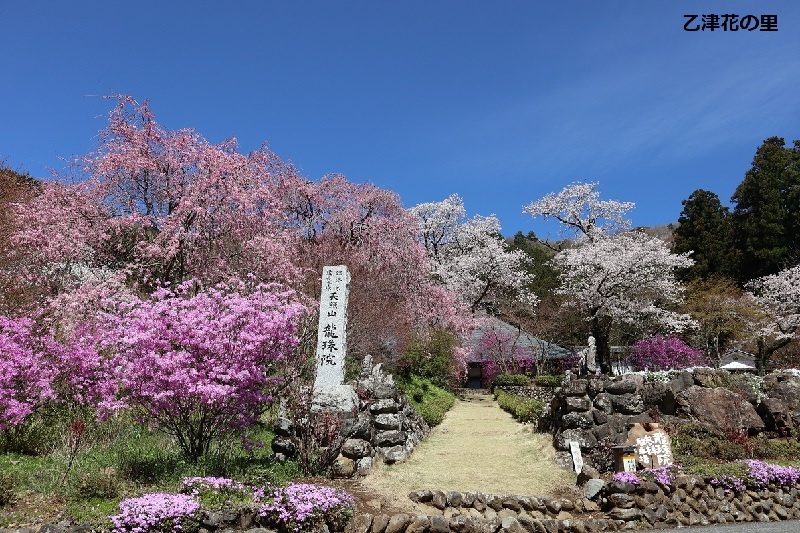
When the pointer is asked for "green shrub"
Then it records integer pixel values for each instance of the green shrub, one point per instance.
(549, 380)
(510, 380)
(430, 402)
(99, 484)
(735, 469)
(7, 483)
(523, 409)
(431, 358)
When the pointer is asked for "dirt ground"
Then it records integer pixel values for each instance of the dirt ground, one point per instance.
(478, 447)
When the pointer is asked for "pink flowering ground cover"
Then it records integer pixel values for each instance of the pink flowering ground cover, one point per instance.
(300, 506)
(158, 512)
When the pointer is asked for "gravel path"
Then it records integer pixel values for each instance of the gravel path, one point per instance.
(478, 447)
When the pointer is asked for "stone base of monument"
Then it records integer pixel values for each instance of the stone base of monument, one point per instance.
(338, 398)
(379, 422)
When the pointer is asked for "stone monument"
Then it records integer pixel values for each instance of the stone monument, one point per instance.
(589, 357)
(652, 445)
(330, 392)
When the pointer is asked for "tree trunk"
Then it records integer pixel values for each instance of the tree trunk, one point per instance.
(601, 331)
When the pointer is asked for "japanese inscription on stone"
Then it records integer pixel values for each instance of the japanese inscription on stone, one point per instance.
(653, 449)
(331, 333)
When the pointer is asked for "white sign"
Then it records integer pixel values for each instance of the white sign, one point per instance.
(577, 458)
(656, 446)
(332, 329)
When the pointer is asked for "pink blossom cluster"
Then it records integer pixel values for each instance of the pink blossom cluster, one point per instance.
(299, 505)
(502, 353)
(666, 474)
(199, 364)
(151, 206)
(490, 368)
(729, 483)
(26, 372)
(665, 353)
(158, 512)
(196, 362)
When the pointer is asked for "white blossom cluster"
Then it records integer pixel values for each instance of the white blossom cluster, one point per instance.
(469, 255)
(778, 295)
(579, 208)
(627, 277)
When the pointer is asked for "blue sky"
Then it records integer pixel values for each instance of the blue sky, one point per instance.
(500, 102)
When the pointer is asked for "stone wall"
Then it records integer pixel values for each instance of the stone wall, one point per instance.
(614, 506)
(386, 426)
(605, 506)
(532, 392)
(601, 408)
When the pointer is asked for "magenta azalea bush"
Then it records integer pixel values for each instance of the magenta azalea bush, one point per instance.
(503, 354)
(200, 364)
(158, 512)
(195, 363)
(300, 506)
(665, 353)
(26, 373)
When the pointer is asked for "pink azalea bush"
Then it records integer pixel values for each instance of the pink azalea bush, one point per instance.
(199, 364)
(26, 373)
(665, 353)
(503, 354)
(158, 512)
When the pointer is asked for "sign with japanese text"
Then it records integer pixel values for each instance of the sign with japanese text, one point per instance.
(332, 330)
(653, 448)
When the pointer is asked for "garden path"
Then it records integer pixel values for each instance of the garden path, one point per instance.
(478, 447)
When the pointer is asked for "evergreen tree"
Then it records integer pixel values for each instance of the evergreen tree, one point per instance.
(704, 229)
(766, 219)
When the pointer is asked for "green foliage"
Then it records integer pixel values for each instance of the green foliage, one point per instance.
(38, 435)
(766, 217)
(7, 483)
(549, 380)
(736, 469)
(430, 402)
(352, 368)
(705, 229)
(543, 276)
(122, 458)
(782, 450)
(95, 512)
(522, 409)
(431, 358)
(100, 484)
(510, 380)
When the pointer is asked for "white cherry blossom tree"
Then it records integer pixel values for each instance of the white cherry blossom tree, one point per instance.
(778, 296)
(628, 277)
(581, 211)
(470, 256)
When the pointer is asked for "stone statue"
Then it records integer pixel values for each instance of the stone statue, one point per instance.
(589, 355)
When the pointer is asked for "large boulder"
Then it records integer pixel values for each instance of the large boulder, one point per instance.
(625, 385)
(785, 387)
(719, 408)
(628, 404)
(658, 395)
(776, 415)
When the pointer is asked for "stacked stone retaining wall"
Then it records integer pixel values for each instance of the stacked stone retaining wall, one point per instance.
(615, 506)
(386, 426)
